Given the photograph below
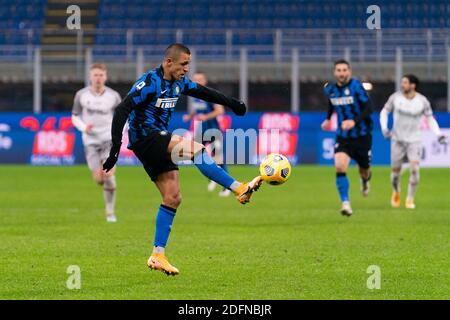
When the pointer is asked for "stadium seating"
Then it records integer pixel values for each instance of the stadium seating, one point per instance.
(19, 16)
(258, 14)
(215, 16)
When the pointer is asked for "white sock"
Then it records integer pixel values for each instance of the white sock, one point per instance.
(109, 194)
(235, 185)
(158, 250)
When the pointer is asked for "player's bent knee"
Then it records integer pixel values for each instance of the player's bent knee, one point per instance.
(341, 169)
(109, 174)
(172, 200)
(340, 166)
(98, 177)
(396, 170)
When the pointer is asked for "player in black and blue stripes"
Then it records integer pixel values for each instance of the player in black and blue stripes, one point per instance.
(348, 98)
(205, 115)
(148, 108)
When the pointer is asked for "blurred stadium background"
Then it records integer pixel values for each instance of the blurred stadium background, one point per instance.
(275, 55)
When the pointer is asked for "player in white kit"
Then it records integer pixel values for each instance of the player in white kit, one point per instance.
(92, 114)
(408, 107)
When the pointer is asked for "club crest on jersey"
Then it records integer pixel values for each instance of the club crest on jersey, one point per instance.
(177, 89)
(346, 91)
(166, 103)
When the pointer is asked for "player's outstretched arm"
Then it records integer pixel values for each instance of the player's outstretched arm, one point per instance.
(120, 118)
(215, 96)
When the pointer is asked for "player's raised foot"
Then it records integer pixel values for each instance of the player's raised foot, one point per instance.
(211, 186)
(346, 209)
(409, 203)
(395, 199)
(158, 261)
(224, 193)
(245, 190)
(111, 218)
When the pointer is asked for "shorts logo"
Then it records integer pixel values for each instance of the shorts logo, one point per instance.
(163, 133)
(166, 103)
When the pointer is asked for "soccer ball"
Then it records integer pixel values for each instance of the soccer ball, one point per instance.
(275, 169)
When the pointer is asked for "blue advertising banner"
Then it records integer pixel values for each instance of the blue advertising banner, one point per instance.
(51, 139)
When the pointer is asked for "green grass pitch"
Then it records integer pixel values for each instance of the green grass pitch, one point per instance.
(290, 242)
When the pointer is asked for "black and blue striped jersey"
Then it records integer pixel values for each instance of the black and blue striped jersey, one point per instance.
(150, 103)
(154, 99)
(350, 102)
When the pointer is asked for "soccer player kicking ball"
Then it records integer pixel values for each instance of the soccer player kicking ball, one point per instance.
(92, 114)
(206, 114)
(148, 107)
(408, 107)
(350, 101)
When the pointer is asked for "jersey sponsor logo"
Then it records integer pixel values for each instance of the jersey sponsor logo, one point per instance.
(91, 111)
(166, 103)
(409, 113)
(342, 101)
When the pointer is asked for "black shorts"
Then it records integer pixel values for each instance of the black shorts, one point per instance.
(152, 152)
(359, 149)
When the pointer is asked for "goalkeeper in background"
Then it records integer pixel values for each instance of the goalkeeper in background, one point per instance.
(408, 107)
(92, 114)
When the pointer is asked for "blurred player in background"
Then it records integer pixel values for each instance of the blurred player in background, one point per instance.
(206, 114)
(350, 101)
(92, 114)
(148, 108)
(408, 107)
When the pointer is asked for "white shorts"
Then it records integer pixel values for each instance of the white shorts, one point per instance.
(405, 151)
(96, 154)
